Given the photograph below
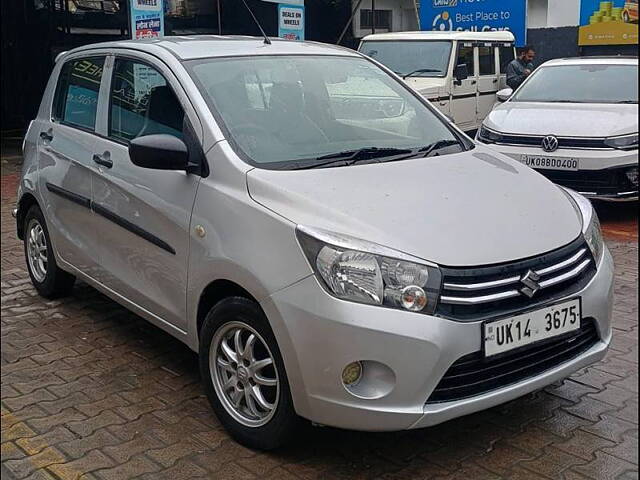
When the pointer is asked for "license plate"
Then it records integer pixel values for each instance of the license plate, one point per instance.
(551, 163)
(507, 334)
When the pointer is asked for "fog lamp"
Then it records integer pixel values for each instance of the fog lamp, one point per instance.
(413, 298)
(632, 175)
(352, 373)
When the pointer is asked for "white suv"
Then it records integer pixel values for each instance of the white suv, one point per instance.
(576, 122)
(327, 242)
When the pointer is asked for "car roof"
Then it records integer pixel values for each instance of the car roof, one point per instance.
(612, 60)
(208, 46)
(503, 36)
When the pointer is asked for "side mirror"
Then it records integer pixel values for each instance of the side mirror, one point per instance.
(160, 152)
(460, 73)
(504, 94)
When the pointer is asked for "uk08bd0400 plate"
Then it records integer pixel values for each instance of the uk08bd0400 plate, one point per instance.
(551, 163)
(500, 336)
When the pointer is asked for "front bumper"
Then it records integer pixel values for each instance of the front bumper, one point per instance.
(601, 174)
(319, 335)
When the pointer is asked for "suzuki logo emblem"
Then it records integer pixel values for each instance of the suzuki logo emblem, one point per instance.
(550, 143)
(530, 282)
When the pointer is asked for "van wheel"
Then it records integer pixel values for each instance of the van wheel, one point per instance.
(244, 376)
(49, 280)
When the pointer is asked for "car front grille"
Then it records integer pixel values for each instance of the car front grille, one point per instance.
(474, 374)
(563, 142)
(600, 182)
(471, 294)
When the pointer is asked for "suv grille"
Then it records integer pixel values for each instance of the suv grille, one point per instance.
(470, 294)
(473, 374)
(563, 142)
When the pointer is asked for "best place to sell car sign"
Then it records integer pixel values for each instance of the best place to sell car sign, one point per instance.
(475, 16)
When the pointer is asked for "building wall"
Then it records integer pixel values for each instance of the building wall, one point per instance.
(537, 13)
(563, 13)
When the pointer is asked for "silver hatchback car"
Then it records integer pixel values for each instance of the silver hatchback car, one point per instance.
(331, 246)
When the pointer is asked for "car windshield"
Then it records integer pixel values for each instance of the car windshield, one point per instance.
(596, 83)
(425, 58)
(279, 111)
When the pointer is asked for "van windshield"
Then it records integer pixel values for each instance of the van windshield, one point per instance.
(597, 83)
(425, 58)
(289, 111)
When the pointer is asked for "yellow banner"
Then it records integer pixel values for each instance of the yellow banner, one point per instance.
(609, 23)
(609, 33)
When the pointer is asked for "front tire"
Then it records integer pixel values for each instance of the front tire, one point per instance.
(244, 376)
(48, 279)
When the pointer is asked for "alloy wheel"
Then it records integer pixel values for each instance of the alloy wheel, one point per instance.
(37, 250)
(244, 374)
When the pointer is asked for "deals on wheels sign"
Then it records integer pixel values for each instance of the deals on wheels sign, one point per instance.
(291, 22)
(475, 16)
(608, 23)
(147, 19)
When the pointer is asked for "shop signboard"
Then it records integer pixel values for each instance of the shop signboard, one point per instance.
(608, 23)
(147, 19)
(291, 21)
(476, 16)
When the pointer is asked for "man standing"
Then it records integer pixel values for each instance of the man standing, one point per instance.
(520, 68)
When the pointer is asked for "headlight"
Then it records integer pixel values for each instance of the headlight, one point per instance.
(364, 272)
(590, 223)
(625, 142)
(486, 135)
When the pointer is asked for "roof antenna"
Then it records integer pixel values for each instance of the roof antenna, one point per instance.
(266, 39)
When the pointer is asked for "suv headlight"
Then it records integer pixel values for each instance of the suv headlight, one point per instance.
(590, 223)
(359, 271)
(486, 135)
(624, 142)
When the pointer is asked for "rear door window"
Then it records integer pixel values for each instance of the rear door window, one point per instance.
(487, 60)
(76, 98)
(506, 57)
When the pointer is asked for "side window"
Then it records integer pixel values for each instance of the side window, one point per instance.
(487, 58)
(76, 99)
(465, 56)
(142, 103)
(506, 57)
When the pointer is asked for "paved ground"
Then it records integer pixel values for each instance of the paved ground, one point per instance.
(91, 391)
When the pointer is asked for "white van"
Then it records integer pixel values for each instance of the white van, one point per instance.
(460, 72)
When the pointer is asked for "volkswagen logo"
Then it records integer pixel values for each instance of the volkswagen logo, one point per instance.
(530, 281)
(550, 143)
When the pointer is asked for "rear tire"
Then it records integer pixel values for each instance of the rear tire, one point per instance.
(244, 375)
(48, 279)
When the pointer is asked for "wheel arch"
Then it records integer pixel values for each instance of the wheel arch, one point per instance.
(214, 292)
(24, 204)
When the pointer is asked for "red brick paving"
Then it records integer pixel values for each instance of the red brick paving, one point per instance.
(91, 390)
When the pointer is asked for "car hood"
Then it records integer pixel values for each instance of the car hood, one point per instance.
(564, 120)
(427, 87)
(466, 209)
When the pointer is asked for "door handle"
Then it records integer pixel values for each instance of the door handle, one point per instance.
(495, 80)
(473, 82)
(47, 136)
(104, 159)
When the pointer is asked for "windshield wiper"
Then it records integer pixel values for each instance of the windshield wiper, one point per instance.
(628, 101)
(421, 70)
(379, 155)
(349, 157)
(435, 146)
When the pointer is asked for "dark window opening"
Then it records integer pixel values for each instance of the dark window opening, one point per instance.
(383, 19)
